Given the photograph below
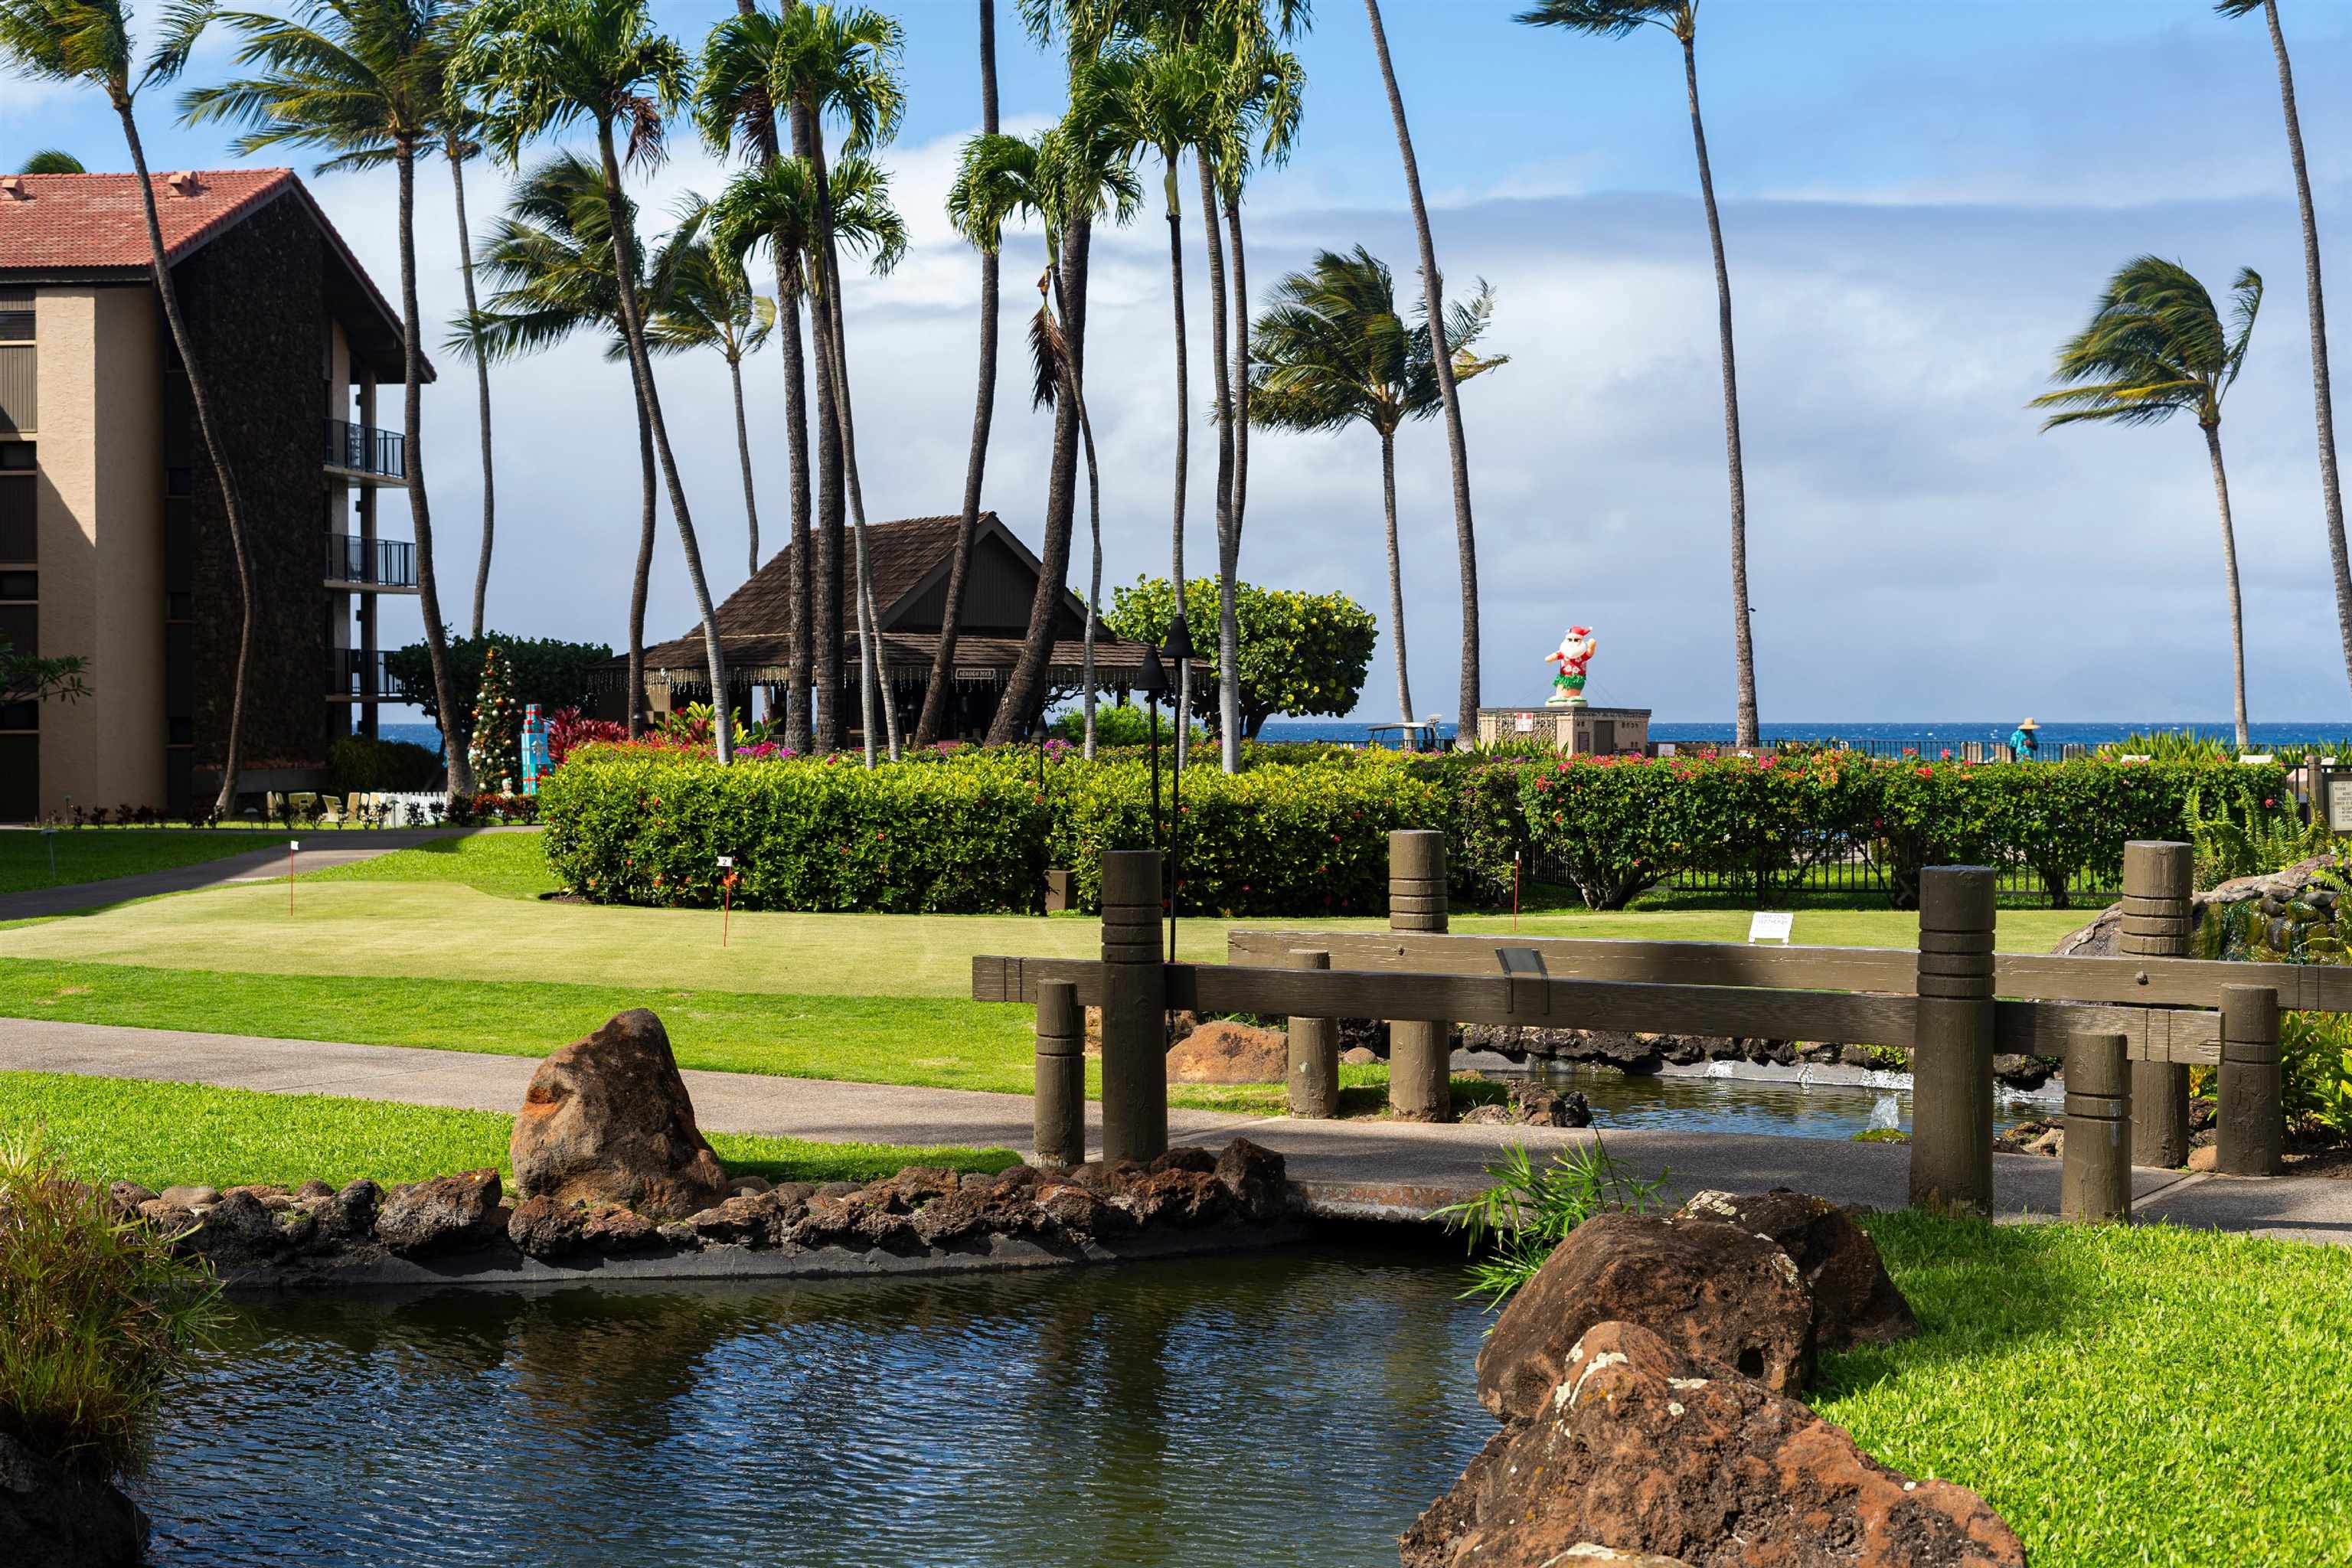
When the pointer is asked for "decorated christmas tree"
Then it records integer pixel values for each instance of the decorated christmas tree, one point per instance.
(497, 723)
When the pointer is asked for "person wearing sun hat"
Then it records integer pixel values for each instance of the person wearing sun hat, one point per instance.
(2023, 741)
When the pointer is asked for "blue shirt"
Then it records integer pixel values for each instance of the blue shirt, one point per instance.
(2023, 741)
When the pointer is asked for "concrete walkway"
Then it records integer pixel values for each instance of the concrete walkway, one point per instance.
(321, 847)
(1368, 1167)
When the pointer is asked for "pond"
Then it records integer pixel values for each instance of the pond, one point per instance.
(1692, 1102)
(1295, 1407)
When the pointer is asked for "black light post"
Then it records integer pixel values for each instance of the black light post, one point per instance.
(1179, 647)
(1152, 682)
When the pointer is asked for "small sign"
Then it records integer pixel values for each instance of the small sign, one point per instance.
(291, 845)
(1771, 925)
(727, 862)
(2254, 760)
(1525, 723)
(1520, 959)
(2340, 805)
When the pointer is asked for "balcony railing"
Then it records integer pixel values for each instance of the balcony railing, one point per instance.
(364, 449)
(377, 563)
(355, 675)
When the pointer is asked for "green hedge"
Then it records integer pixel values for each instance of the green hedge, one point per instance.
(972, 831)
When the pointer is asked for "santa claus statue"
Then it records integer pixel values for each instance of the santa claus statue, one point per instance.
(1567, 682)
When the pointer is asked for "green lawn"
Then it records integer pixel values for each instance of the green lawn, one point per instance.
(506, 865)
(2133, 1395)
(95, 854)
(105, 1128)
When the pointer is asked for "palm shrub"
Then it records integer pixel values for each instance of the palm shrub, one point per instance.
(1522, 1219)
(97, 1317)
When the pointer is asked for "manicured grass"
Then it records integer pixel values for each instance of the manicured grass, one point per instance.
(158, 1134)
(2121, 1395)
(506, 865)
(96, 854)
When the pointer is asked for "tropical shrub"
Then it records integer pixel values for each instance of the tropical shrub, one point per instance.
(1302, 654)
(357, 763)
(1612, 826)
(546, 670)
(99, 1319)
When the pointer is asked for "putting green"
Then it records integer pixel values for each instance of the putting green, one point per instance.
(448, 931)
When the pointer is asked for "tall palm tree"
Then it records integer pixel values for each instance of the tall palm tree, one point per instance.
(2157, 346)
(1333, 352)
(459, 147)
(550, 258)
(366, 78)
(88, 41)
(1048, 178)
(1617, 19)
(1466, 544)
(542, 66)
(2322, 403)
(936, 696)
(52, 160)
(702, 300)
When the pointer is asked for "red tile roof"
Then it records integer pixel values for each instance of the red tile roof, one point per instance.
(96, 220)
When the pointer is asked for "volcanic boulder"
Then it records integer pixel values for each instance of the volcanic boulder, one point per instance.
(1854, 1300)
(607, 1119)
(1221, 1051)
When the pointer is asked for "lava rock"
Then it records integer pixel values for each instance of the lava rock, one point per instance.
(126, 1197)
(1360, 1056)
(913, 1187)
(166, 1217)
(237, 1232)
(751, 1220)
(1223, 1051)
(1177, 1197)
(1077, 1212)
(607, 1119)
(610, 1228)
(546, 1229)
(1856, 1301)
(191, 1197)
(1712, 1288)
(1254, 1178)
(348, 1218)
(61, 1518)
(1657, 1450)
(314, 1188)
(1186, 1157)
(447, 1214)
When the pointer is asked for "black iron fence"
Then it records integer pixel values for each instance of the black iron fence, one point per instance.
(364, 449)
(355, 675)
(1841, 869)
(377, 563)
(1924, 748)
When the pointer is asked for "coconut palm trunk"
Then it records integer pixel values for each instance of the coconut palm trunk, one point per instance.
(827, 566)
(1432, 284)
(232, 502)
(2229, 566)
(942, 689)
(1743, 647)
(1240, 418)
(481, 384)
(2322, 401)
(641, 582)
(1229, 688)
(799, 732)
(459, 773)
(743, 457)
(650, 397)
(1396, 574)
(1183, 463)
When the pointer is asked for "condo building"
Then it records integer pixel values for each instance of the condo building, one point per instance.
(114, 544)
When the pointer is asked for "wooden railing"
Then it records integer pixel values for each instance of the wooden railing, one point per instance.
(1953, 1003)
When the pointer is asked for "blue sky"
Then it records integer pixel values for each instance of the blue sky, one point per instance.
(1920, 200)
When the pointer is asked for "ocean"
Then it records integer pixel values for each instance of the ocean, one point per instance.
(1929, 737)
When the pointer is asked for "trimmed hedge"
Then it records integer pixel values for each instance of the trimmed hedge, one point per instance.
(972, 831)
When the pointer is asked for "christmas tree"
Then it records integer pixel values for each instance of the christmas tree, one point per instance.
(494, 753)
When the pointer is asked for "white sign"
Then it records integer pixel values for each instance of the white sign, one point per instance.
(2253, 760)
(291, 845)
(727, 862)
(2340, 805)
(1771, 925)
(1525, 723)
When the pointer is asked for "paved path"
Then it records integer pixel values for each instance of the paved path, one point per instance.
(325, 847)
(1349, 1167)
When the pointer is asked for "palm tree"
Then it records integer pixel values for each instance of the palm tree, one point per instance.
(1432, 285)
(550, 258)
(542, 66)
(702, 300)
(88, 41)
(1333, 352)
(1616, 19)
(942, 682)
(2323, 404)
(53, 160)
(2156, 346)
(458, 146)
(366, 78)
(1048, 178)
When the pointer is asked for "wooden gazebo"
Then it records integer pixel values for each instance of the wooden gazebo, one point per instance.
(909, 561)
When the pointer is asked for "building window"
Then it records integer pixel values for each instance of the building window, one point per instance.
(17, 501)
(23, 585)
(16, 317)
(16, 457)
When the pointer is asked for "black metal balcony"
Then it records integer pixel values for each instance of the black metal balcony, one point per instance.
(363, 450)
(354, 676)
(370, 563)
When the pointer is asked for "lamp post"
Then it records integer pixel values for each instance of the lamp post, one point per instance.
(1152, 682)
(1179, 648)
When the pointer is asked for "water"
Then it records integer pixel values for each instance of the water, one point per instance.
(1691, 1103)
(1938, 733)
(1298, 1407)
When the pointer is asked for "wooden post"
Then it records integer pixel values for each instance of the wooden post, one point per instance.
(1314, 1051)
(2095, 1185)
(1420, 1054)
(1061, 1104)
(2252, 1118)
(1951, 1063)
(1134, 1008)
(2158, 878)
